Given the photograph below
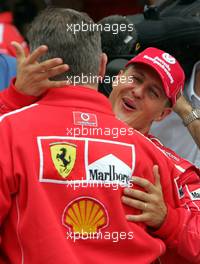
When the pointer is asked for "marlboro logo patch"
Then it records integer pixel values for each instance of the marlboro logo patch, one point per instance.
(68, 159)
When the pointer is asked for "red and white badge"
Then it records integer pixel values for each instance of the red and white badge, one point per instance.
(84, 119)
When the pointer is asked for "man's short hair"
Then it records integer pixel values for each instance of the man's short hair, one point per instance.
(69, 35)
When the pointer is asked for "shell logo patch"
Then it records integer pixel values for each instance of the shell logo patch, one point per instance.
(85, 215)
(63, 156)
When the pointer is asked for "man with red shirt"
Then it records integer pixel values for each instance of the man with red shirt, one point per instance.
(149, 97)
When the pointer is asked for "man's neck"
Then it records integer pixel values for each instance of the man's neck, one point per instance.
(91, 86)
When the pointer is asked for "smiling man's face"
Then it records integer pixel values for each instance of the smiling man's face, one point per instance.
(138, 97)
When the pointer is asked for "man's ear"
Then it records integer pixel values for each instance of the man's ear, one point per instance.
(117, 78)
(102, 65)
(163, 114)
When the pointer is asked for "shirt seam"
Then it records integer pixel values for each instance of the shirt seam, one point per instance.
(18, 233)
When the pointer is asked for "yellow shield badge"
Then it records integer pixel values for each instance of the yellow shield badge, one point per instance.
(63, 156)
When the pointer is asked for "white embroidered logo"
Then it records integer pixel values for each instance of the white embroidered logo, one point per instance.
(168, 58)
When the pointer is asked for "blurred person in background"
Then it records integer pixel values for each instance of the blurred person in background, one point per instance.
(8, 31)
(7, 70)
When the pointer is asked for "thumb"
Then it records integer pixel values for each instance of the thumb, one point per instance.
(156, 175)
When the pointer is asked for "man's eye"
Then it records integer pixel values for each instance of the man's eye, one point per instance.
(135, 78)
(154, 93)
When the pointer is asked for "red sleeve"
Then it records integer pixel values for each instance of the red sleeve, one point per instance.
(11, 99)
(181, 229)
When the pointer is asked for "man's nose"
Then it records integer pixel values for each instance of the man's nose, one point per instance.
(138, 91)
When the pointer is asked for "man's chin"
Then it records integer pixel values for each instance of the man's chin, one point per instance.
(126, 119)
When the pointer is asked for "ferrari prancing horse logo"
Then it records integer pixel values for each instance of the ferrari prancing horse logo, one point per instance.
(63, 156)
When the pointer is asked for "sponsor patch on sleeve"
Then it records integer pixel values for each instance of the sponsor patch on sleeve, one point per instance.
(194, 194)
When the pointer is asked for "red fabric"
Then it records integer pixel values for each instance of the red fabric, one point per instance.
(11, 99)
(9, 33)
(181, 229)
(38, 204)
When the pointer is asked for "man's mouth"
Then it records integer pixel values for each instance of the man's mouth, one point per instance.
(128, 104)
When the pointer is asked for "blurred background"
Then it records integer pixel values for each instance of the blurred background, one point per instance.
(174, 26)
(25, 10)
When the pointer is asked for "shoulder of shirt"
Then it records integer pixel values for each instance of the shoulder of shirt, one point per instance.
(155, 139)
(161, 148)
(14, 112)
(149, 139)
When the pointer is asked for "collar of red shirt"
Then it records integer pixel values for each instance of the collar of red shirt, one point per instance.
(78, 96)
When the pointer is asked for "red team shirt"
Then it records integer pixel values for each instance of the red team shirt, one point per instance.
(44, 205)
(188, 189)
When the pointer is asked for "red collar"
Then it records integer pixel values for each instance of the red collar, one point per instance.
(78, 97)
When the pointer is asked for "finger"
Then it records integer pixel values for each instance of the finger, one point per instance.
(48, 64)
(134, 203)
(137, 218)
(56, 84)
(139, 195)
(55, 71)
(144, 183)
(20, 53)
(36, 54)
(156, 175)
